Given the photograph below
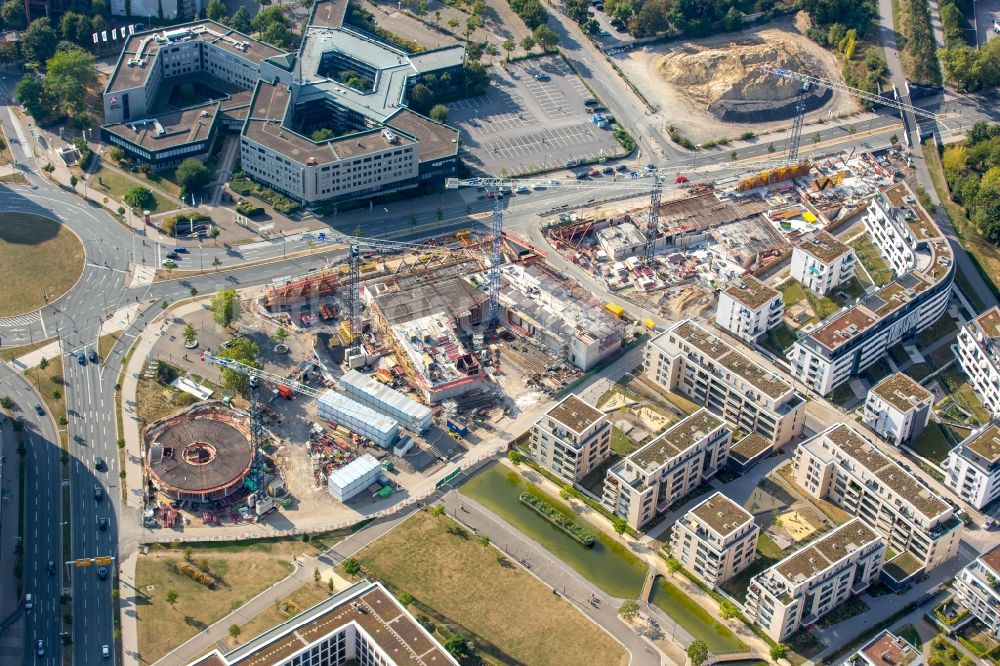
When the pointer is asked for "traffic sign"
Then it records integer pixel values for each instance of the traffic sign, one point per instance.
(83, 563)
(103, 560)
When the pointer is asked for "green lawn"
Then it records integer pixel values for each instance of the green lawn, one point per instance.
(939, 330)
(115, 184)
(680, 402)
(792, 292)
(845, 611)
(822, 306)
(738, 586)
(778, 339)
(932, 443)
(958, 387)
(870, 258)
(910, 634)
(877, 371)
(768, 549)
(855, 288)
(621, 443)
(945, 651)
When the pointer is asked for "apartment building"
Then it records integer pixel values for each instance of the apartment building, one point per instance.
(650, 479)
(822, 263)
(887, 649)
(898, 409)
(808, 584)
(571, 439)
(977, 587)
(840, 465)
(856, 337)
(973, 467)
(715, 540)
(979, 355)
(691, 360)
(748, 308)
(363, 625)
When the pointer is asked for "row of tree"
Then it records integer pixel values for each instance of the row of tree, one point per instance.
(972, 169)
(63, 90)
(972, 69)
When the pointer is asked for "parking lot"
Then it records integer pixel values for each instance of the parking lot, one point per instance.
(986, 11)
(533, 117)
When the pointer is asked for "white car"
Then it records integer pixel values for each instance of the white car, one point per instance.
(105, 651)
(169, 263)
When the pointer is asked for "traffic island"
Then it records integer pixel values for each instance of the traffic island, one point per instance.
(42, 260)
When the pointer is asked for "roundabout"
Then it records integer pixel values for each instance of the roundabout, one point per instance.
(42, 260)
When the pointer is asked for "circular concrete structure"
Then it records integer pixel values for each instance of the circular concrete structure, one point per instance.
(202, 454)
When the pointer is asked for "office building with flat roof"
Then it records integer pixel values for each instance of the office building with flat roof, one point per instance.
(802, 588)
(822, 263)
(748, 308)
(697, 363)
(973, 467)
(979, 355)
(571, 439)
(715, 540)
(898, 409)
(647, 481)
(854, 338)
(840, 465)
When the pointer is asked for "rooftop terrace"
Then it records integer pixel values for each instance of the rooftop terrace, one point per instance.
(989, 322)
(889, 650)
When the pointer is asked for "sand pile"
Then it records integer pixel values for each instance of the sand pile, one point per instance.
(727, 80)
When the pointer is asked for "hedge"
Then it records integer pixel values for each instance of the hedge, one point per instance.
(240, 184)
(558, 518)
(196, 574)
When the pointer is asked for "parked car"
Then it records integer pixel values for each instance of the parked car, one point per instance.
(172, 255)
(168, 263)
(180, 249)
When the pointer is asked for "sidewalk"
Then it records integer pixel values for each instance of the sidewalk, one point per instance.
(12, 637)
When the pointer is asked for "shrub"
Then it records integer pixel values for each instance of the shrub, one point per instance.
(557, 517)
(138, 197)
(196, 574)
(625, 139)
(244, 207)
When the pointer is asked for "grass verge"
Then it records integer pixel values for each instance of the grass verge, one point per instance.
(114, 184)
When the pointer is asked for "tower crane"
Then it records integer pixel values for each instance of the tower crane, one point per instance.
(806, 81)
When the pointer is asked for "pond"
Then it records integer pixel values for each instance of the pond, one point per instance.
(693, 618)
(608, 564)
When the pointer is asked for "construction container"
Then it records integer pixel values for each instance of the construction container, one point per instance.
(336, 408)
(458, 427)
(353, 478)
(408, 413)
(284, 392)
(615, 309)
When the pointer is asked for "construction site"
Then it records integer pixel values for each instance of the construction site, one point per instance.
(719, 230)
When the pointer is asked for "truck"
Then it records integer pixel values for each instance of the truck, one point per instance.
(457, 427)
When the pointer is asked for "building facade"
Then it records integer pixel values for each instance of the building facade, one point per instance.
(977, 587)
(843, 467)
(898, 409)
(854, 338)
(363, 625)
(571, 439)
(979, 355)
(748, 308)
(715, 540)
(808, 584)
(650, 479)
(822, 263)
(973, 467)
(695, 362)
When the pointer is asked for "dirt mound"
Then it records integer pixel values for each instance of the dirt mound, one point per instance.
(727, 80)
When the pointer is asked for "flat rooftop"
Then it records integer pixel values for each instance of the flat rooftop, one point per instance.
(676, 440)
(824, 246)
(707, 343)
(888, 472)
(721, 514)
(985, 443)
(750, 446)
(902, 392)
(824, 553)
(365, 606)
(751, 292)
(992, 560)
(575, 414)
(989, 322)
(328, 13)
(171, 129)
(436, 140)
(889, 650)
(142, 48)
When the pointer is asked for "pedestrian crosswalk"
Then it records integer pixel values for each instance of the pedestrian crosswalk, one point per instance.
(20, 320)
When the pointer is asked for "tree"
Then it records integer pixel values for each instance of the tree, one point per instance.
(240, 21)
(961, 64)
(72, 180)
(437, 510)
(330, 585)
(38, 43)
(457, 646)
(515, 456)
(117, 154)
(673, 565)
(42, 364)
(628, 610)
(192, 175)
(483, 540)
(508, 45)
(728, 610)
(351, 566)
(421, 98)
(7, 403)
(188, 553)
(528, 43)
(190, 333)
(225, 307)
(453, 23)
(12, 14)
(620, 525)
(545, 38)
(280, 335)
(30, 92)
(316, 575)
(171, 597)
(234, 631)
(421, 7)
(75, 28)
(405, 598)
(778, 651)
(138, 196)
(215, 10)
(242, 350)
(277, 35)
(697, 652)
(472, 23)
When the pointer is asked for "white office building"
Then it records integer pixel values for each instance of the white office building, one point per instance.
(853, 339)
(650, 479)
(822, 263)
(898, 409)
(571, 439)
(748, 308)
(715, 540)
(802, 588)
(973, 467)
(695, 362)
(979, 355)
